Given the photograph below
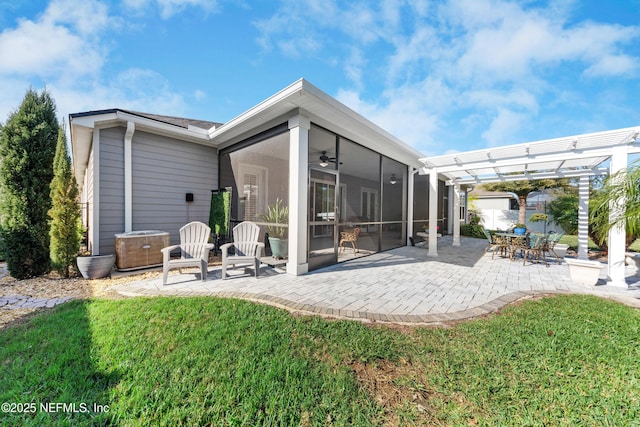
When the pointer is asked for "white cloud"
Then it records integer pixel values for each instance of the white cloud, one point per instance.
(199, 95)
(169, 8)
(354, 67)
(516, 98)
(133, 89)
(504, 128)
(58, 44)
(611, 65)
(404, 116)
(511, 44)
(495, 61)
(66, 48)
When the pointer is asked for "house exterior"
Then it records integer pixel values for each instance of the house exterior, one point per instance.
(499, 210)
(333, 168)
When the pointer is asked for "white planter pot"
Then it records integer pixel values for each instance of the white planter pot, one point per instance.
(633, 258)
(561, 249)
(584, 272)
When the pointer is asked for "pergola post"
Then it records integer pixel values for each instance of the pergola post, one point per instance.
(433, 213)
(456, 214)
(410, 191)
(617, 234)
(583, 217)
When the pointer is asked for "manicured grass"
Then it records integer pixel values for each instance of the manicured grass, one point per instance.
(572, 241)
(569, 360)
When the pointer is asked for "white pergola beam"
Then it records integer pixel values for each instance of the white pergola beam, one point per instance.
(530, 161)
(530, 176)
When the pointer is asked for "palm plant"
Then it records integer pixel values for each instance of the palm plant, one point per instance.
(624, 185)
(277, 213)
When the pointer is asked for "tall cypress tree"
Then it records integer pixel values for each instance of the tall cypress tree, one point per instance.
(27, 148)
(65, 212)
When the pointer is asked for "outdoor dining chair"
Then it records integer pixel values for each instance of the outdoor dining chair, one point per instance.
(550, 243)
(496, 243)
(534, 249)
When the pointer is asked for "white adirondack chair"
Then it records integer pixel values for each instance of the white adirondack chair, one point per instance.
(194, 250)
(248, 249)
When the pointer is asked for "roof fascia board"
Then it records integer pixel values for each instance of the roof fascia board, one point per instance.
(332, 103)
(303, 97)
(282, 96)
(120, 118)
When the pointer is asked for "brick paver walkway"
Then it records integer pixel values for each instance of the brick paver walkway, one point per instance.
(401, 285)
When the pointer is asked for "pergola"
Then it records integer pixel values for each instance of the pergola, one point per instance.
(579, 156)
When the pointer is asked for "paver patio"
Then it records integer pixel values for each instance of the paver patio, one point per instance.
(402, 285)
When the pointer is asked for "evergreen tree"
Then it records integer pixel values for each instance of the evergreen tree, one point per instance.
(65, 212)
(27, 148)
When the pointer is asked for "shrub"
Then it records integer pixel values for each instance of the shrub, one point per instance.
(472, 230)
(65, 212)
(27, 148)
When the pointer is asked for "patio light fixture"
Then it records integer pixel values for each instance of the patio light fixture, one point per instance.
(325, 160)
(393, 179)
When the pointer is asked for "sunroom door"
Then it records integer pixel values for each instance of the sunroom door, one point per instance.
(323, 215)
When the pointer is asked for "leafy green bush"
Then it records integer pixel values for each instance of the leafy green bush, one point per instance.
(3, 248)
(472, 230)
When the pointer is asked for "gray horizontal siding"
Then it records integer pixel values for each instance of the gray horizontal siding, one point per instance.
(111, 187)
(164, 170)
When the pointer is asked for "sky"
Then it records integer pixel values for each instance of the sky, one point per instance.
(443, 76)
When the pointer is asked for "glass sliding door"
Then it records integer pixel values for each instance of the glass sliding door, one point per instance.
(394, 204)
(323, 215)
(361, 204)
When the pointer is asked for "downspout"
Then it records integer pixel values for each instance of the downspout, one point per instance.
(128, 180)
(95, 220)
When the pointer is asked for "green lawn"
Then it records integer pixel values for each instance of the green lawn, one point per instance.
(572, 241)
(567, 360)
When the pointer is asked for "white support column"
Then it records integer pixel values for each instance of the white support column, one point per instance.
(617, 235)
(433, 213)
(583, 217)
(299, 126)
(456, 214)
(410, 190)
(128, 180)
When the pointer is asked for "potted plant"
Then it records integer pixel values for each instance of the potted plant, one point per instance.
(537, 217)
(95, 266)
(520, 229)
(276, 214)
(425, 229)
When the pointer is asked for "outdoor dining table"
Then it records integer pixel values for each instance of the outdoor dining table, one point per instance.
(514, 241)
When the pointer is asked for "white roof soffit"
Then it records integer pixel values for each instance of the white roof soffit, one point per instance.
(321, 109)
(565, 157)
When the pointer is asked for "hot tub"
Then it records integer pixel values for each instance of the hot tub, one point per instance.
(140, 249)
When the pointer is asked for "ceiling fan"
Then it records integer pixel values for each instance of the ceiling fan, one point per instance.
(325, 160)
